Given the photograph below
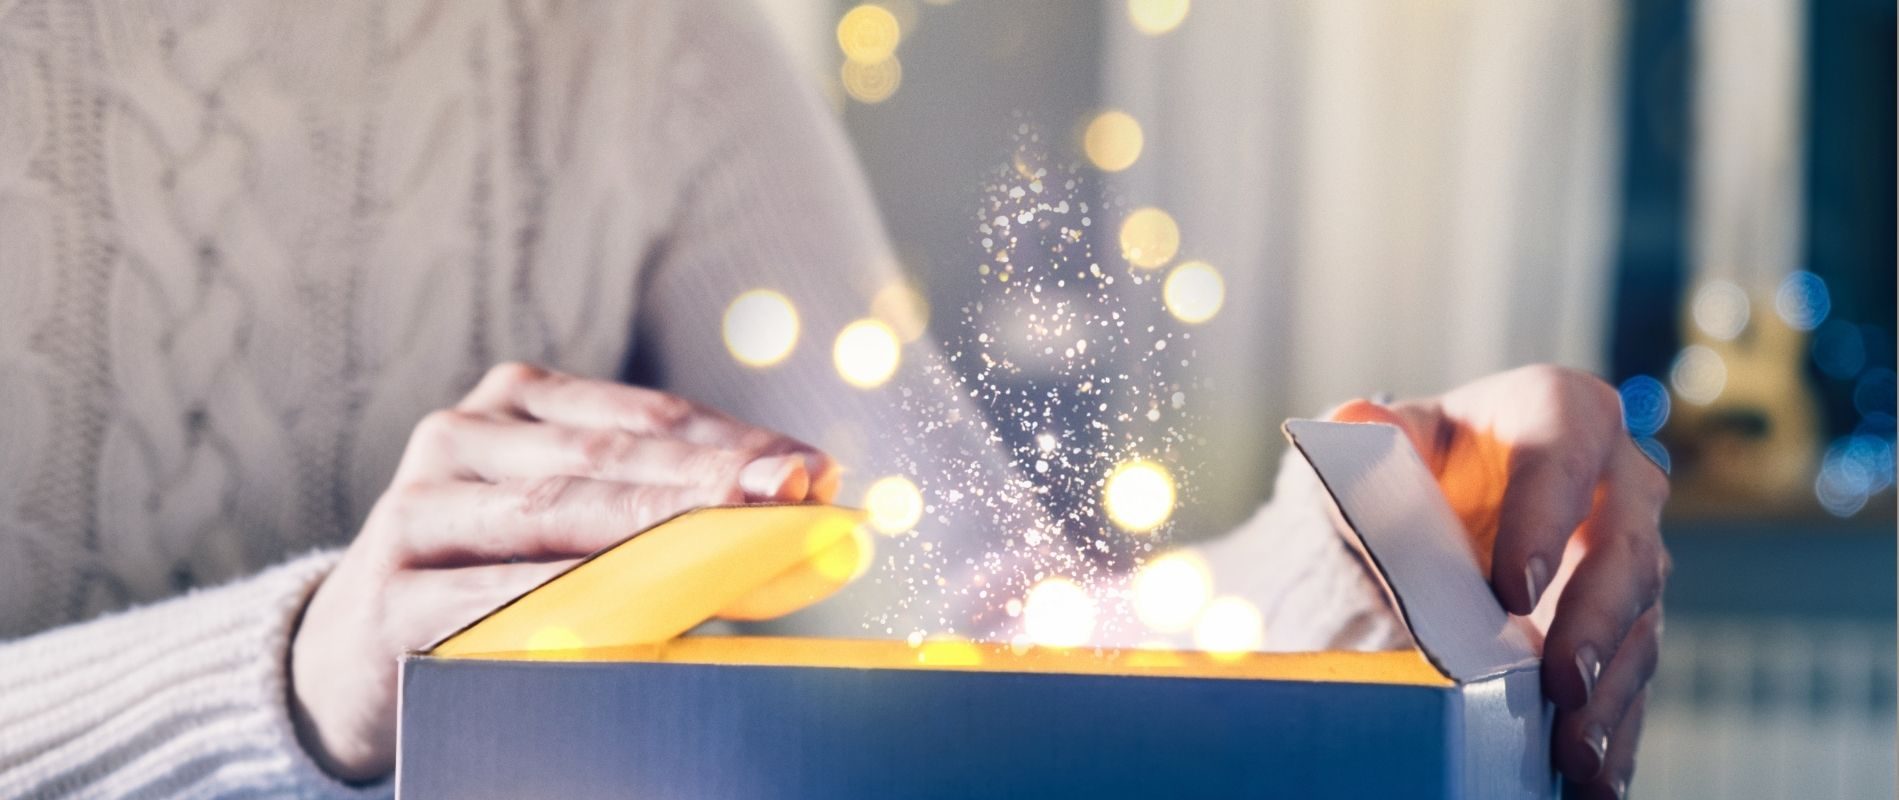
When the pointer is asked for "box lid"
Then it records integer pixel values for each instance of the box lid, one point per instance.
(1417, 546)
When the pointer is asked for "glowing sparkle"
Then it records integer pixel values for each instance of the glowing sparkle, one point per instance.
(839, 556)
(894, 505)
(1156, 17)
(1149, 238)
(1170, 591)
(1139, 495)
(866, 353)
(1698, 375)
(871, 83)
(1194, 292)
(1058, 613)
(868, 34)
(1112, 141)
(1229, 628)
(760, 328)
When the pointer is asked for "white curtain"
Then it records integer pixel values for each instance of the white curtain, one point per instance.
(1401, 196)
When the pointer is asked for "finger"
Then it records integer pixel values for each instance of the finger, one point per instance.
(1613, 781)
(434, 603)
(465, 524)
(1586, 738)
(468, 446)
(1419, 424)
(523, 390)
(1618, 579)
(1548, 491)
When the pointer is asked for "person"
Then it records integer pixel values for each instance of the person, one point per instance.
(249, 246)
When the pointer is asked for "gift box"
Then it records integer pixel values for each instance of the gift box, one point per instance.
(584, 687)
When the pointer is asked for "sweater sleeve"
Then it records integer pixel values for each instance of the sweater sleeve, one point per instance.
(184, 698)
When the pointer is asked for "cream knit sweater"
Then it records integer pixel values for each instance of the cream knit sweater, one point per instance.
(245, 246)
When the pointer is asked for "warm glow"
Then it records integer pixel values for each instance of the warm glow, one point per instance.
(866, 353)
(894, 505)
(1149, 238)
(1058, 614)
(949, 651)
(1194, 292)
(761, 327)
(1229, 628)
(554, 638)
(1698, 375)
(1155, 17)
(903, 308)
(868, 34)
(1139, 495)
(1112, 141)
(874, 82)
(1170, 591)
(839, 557)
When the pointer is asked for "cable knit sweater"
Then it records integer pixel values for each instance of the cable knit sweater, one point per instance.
(245, 246)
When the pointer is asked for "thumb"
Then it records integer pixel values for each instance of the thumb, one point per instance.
(1416, 426)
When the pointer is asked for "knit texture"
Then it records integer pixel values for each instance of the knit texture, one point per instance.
(244, 247)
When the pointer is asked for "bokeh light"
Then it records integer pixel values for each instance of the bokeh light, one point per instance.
(1803, 300)
(1855, 467)
(760, 327)
(1139, 495)
(871, 83)
(866, 353)
(1155, 17)
(1170, 591)
(1058, 613)
(1721, 310)
(868, 34)
(1228, 628)
(1839, 349)
(894, 505)
(1698, 375)
(1149, 238)
(1875, 392)
(948, 651)
(1112, 141)
(1644, 405)
(903, 308)
(1656, 452)
(1194, 292)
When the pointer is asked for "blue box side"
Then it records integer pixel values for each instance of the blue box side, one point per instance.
(507, 729)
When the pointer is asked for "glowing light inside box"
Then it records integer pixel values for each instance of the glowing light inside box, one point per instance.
(1194, 292)
(838, 550)
(1170, 591)
(1112, 141)
(1156, 17)
(866, 353)
(1229, 628)
(760, 328)
(1139, 495)
(1149, 238)
(894, 504)
(1058, 613)
(868, 34)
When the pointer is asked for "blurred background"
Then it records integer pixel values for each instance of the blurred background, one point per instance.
(1691, 198)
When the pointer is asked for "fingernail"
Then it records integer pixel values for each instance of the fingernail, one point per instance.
(775, 478)
(1588, 669)
(825, 484)
(1536, 575)
(1621, 788)
(1597, 737)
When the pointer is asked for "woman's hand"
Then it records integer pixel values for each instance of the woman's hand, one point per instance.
(1537, 464)
(529, 472)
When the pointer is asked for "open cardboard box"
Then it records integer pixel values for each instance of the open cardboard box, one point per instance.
(579, 688)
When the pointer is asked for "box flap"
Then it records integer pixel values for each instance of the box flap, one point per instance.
(1417, 545)
(737, 562)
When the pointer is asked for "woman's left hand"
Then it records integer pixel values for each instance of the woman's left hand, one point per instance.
(1560, 501)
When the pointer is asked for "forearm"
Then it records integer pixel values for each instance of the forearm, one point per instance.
(181, 698)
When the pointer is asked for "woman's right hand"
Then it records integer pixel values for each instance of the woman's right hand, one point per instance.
(532, 470)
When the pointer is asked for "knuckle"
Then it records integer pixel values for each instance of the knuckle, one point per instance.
(439, 427)
(540, 495)
(513, 373)
(602, 451)
(662, 411)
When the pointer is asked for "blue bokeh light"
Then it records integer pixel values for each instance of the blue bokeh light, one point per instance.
(1803, 300)
(1656, 452)
(1839, 349)
(1644, 405)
